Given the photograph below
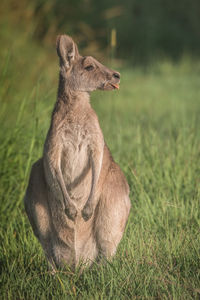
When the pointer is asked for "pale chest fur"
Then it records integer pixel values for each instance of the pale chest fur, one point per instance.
(75, 161)
(74, 140)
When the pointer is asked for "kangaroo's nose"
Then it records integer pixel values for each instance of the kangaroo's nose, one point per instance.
(116, 75)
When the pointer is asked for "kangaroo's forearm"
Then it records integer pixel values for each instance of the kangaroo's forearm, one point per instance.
(96, 163)
(66, 197)
(56, 182)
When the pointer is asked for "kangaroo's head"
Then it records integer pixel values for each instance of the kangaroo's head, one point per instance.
(83, 74)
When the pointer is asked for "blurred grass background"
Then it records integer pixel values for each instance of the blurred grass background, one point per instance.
(151, 125)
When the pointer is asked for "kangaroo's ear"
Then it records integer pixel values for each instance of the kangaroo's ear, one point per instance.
(67, 50)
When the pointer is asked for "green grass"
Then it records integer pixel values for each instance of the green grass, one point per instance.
(152, 126)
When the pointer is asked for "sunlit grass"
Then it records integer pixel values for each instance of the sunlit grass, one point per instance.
(152, 128)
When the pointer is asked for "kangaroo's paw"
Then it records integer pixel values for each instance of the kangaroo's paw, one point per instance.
(87, 212)
(71, 212)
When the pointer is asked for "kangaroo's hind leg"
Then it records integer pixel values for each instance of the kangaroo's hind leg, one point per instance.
(36, 206)
(112, 212)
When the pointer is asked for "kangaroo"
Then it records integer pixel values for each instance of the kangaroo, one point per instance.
(77, 199)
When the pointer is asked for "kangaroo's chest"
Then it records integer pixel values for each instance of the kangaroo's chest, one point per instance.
(75, 162)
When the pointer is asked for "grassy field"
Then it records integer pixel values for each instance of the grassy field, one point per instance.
(152, 126)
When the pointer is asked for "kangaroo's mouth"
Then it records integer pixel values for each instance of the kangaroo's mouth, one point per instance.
(115, 86)
(109, 86)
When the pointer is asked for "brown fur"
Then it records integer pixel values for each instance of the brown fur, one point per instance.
(77, 198)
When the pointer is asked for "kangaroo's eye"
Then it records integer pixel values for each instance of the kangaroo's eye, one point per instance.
(89, 68)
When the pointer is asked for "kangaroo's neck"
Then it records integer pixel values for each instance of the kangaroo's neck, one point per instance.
(68, 101)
